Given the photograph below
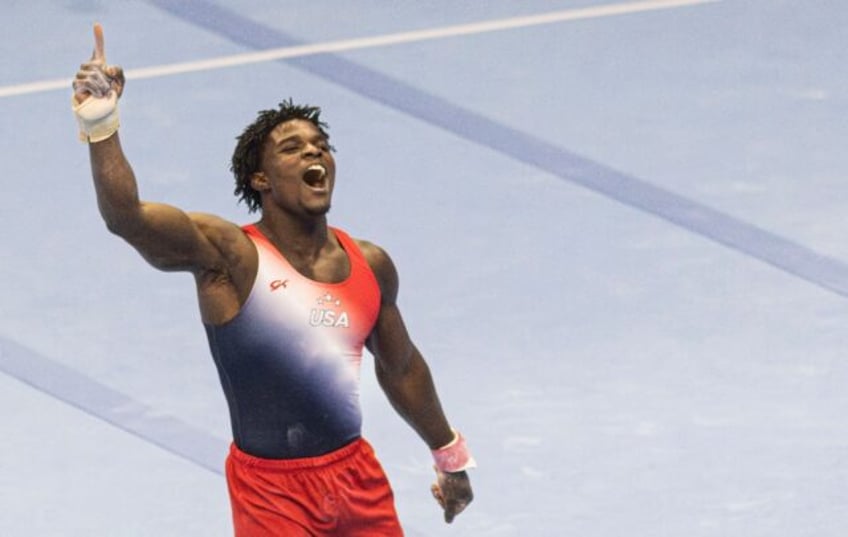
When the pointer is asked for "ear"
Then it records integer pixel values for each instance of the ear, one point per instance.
(259, 182)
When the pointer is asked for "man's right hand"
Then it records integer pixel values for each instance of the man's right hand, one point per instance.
(97, 87)
(96, 78)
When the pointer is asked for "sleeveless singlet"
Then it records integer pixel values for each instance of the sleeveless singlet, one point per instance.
(289, 360)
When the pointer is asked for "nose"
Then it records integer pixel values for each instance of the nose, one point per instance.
(312, 150)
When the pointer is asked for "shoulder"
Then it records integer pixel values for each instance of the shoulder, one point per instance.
(228, 239)
(221, 232)
(382, 266)
(211, 220)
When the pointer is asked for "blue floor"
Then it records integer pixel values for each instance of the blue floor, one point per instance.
(619, 231)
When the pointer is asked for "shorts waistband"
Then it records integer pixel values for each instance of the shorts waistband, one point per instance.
(283, 465)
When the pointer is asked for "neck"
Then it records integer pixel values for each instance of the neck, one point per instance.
(294, 236)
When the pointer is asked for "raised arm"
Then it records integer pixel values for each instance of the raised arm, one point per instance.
(167, 237)
(405, 378)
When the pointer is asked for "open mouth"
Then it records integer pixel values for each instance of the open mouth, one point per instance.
(314, 175)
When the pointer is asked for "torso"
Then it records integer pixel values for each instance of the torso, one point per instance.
(289, 356)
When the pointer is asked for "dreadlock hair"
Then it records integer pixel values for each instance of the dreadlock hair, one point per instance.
(247, 156)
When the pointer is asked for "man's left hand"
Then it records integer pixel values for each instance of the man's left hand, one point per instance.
(453, 492)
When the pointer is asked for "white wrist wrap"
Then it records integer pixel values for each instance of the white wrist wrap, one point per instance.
(97, 117)
(455, 456)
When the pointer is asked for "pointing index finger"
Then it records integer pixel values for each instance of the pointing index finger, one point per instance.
(98, 54)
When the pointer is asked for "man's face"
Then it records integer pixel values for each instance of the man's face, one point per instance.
(298, 169)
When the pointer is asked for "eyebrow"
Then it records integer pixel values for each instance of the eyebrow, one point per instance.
(299, 138)
(287, 139)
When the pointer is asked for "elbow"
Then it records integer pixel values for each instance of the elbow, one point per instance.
(117, 226)
(123, 223)
(401, 371)
(113, 226)
(127, 229)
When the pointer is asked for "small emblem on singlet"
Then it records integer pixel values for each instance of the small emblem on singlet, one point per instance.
(279, 284)
(329, 313)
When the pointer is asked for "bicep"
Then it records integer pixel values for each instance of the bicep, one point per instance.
(171, 239)
(389, 341)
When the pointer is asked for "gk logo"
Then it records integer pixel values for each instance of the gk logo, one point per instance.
(279, 284)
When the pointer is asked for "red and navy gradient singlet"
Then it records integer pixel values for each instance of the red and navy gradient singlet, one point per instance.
(289, 361)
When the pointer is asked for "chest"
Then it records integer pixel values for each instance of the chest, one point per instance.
(332, 268)
(340, 304)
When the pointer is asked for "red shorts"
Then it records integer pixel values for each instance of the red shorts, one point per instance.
(344, 492)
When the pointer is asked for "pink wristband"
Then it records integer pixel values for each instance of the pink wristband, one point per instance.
(455, 456)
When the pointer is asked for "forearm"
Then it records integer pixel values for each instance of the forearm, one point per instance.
(115, 185)
(412, 393)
